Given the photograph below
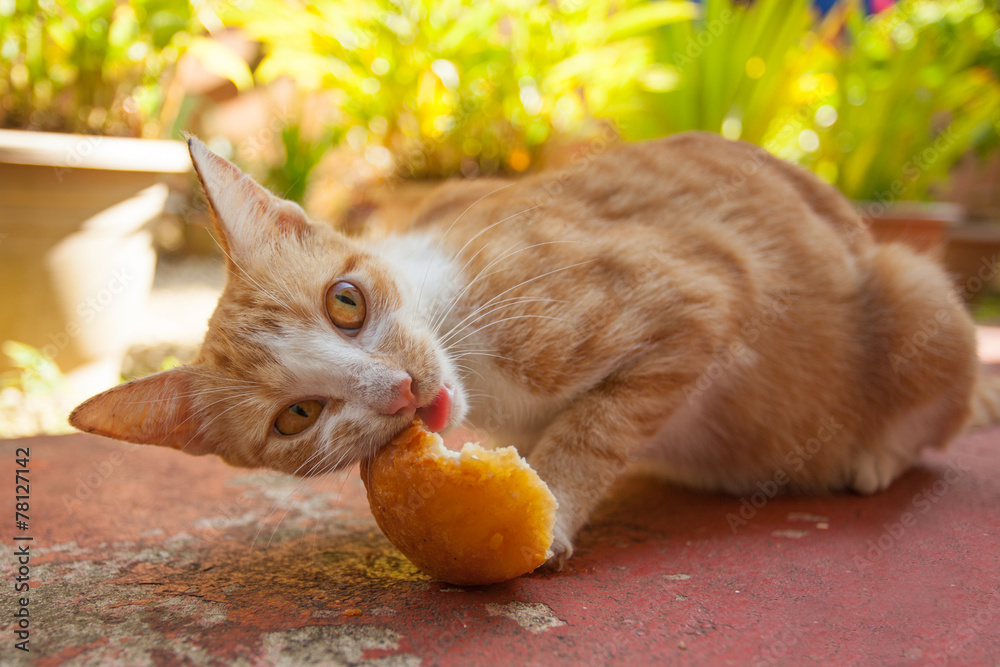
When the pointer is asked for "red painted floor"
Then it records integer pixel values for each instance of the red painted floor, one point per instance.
(147, 556)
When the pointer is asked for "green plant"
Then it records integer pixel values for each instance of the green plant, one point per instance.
(92, 66)
(911, 93)
(289, 175)
(732, 69)
(31, 401)
(430, 88)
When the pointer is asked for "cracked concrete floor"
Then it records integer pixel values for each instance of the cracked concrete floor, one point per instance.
(147, 556)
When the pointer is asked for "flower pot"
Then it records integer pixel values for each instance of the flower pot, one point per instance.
(921, 225)
(974, 181)
(972, 257)
(76, 254)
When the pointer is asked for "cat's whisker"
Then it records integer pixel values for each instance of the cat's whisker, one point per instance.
(246, 395)
(192, 394)
(249, 277)
(346, 476)
(511, 318)
(281, 285)
(324, 475)
(441, 239)
(305, 484)
(200, 392)
(509, 300)
(480, 313)
(538, 277)
(491, 226)
(437, 318)
(483, 354)
(469, 371)
(510, 251)
(283, 501)
(458, 297)
(331, 466)
(202, 427)
(203, 372)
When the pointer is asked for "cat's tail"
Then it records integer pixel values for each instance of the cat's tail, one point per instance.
(985, 402)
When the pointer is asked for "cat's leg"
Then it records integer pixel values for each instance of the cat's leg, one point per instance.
(586, 447)
(922, 363)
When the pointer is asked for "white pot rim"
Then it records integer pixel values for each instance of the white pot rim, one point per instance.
(81, 151)
(948, 212)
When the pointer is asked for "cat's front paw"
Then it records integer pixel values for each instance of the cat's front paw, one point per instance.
(562, 549)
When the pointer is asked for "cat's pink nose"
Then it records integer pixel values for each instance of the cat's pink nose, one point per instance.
(405, 400)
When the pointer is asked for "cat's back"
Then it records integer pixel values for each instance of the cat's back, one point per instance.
(715, 256)
(685, 187)
(694, 200)
(684, 238)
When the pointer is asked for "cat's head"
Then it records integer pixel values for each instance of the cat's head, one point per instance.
(315, 357)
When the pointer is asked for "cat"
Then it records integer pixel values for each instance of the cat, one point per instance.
(690, 296)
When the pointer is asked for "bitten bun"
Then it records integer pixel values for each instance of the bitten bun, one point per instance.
(472, 517)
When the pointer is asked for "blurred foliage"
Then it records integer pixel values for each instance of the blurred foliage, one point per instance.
(986, 307)
(430, 87)
(427, 88)
(732, 69)
(30, 398)
(300, 154)
(907, 93)
(90, 66)
(34, 372)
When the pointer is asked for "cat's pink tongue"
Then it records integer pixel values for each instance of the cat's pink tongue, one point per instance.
(437, 413)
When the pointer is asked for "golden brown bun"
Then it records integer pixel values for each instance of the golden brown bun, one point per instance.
(472, 517)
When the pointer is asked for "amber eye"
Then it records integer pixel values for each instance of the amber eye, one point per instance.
(297, 417)
(346, 305)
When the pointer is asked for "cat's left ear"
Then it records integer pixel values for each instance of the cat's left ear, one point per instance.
(246, 215)
(154, 410)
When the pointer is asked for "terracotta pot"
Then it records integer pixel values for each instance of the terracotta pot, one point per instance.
(972, 257)
(921, 225)
(76, 254)
(975, 184)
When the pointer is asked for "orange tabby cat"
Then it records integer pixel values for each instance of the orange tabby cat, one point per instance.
(691, 295)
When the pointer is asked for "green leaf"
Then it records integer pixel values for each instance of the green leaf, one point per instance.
(219, 59)
(644, 18)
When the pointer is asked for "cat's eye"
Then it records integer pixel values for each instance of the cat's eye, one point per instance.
(297, 417)
(346, 306)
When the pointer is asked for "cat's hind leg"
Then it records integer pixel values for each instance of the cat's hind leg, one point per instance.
(919, 344)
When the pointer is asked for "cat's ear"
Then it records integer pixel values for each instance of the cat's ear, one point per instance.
(247, 216)
(153, 410)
